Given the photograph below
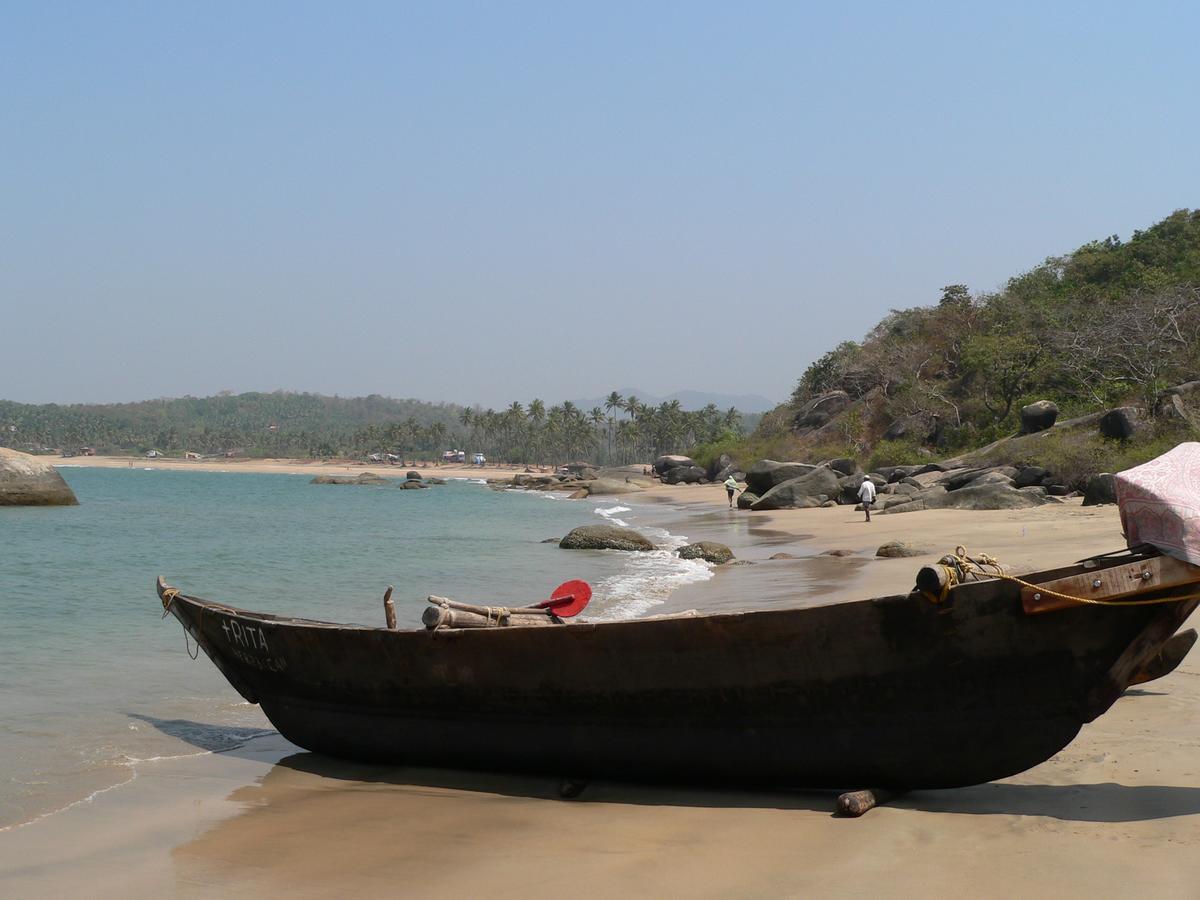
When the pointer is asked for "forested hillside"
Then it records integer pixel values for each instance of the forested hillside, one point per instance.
(1111, 324)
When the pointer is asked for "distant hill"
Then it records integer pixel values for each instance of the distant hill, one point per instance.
(1113, 323)
(692, 400)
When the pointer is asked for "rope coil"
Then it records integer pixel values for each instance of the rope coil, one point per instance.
(958, 565)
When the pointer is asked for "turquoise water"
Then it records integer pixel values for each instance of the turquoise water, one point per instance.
(92, 681)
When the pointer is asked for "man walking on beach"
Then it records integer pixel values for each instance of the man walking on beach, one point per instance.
(731, 487)
(866, 493)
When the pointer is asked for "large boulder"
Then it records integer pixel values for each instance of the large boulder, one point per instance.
(413, 485)
(810, 489)
(709, 551)
(984, 496)
(607, 486)
(1038, 416)
(605, 537)
(843, 465)
(28, 481)
(412, 475)
(718, 466)
(1101, 489)
(746, 500)
(819, 411)
(684, 475)
(1028, 476)
(767, 473)
(665, 464)
(1120, 423)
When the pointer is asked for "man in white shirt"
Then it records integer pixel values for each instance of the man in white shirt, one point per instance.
(866, 493)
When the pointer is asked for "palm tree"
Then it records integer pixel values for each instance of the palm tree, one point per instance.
(612, 403)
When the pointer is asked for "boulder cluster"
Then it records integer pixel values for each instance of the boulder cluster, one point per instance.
(412, 480)
(580, 480)
(793, 485)
(673, 469)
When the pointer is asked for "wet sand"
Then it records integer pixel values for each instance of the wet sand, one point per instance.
(1116, 813)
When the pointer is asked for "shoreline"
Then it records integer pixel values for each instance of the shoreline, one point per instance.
(1118, 805)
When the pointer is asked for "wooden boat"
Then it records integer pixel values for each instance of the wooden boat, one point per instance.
(908, 691)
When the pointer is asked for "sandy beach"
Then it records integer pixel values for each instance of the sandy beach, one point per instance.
(1115, 813)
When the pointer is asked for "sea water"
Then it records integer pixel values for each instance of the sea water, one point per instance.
(93, 681)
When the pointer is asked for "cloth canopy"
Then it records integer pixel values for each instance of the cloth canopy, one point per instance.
(1160, 503)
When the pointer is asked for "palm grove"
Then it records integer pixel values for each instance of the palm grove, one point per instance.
(281, 424)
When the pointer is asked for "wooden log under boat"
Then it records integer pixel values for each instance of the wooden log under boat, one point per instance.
(896, 692)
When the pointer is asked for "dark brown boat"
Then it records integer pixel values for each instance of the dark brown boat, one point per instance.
(908, 691)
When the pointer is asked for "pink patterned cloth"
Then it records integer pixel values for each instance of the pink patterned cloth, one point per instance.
(1160, 503)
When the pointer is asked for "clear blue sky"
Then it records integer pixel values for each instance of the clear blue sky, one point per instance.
(493, 201)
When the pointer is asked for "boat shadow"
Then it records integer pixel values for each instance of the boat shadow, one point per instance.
(1104, 802)
(227, 739)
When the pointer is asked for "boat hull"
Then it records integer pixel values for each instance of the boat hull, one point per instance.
(892, 692)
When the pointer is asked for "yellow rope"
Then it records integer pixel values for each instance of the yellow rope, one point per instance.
(968, 565)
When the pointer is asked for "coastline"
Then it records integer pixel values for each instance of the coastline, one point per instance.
(1118, 806)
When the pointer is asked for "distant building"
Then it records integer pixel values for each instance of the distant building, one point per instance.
(190, 455)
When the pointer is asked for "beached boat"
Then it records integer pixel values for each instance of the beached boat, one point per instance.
(956, 683)
(897, 691)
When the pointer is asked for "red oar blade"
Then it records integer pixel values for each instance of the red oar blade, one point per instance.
(568, 599)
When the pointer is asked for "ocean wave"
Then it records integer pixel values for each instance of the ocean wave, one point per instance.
(610, 513)
(646, 581)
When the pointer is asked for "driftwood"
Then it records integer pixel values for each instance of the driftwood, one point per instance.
(855, 803)
(389, 609)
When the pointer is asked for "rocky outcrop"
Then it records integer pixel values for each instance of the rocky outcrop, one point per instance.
(364, 478)
(412, 475)
(1101, 489)
(709, 551)
(821, 410)
(1038, 416)
(605, 537)
(413, 486)
(28, 481)
(843, 465)
(767, 473)
(720, 467)
(808, 490)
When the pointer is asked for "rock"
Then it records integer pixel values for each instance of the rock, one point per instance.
(1029, 475)
(819, 411)
(904, 489)
(782, 556)
(580, 494)
(412, 475)
(1038, 416)
(551, 540)
(709, 551)
(435, 480)
(414, 486)
(767, 473)
(839, 552)
(718, 466)
(1057, 490)
(364, 478)
(1120, 423)
(605, 537)
(848, 488)
(984, 496)
(582, 469)
(746, 500)
(738, 474)
(1035, 490)
(996, 476)
(809, 490)
(894, 473)
(664, 464)
(1101, 489)
(925, 479)
(684, 475)
(898, 429)
(843, 465)
(28, 481)
(602, 487)
(898, 550)
(829, 504)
